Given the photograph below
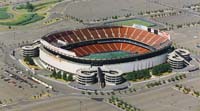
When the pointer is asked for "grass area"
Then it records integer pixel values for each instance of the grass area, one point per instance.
(30, 66)
(3, 9)
(163, 74)
(38, 6)
(4, 14)
(34, 18)
(24, 19)
(44, 5)
(108, 55)
(19, 16)
(135, 21)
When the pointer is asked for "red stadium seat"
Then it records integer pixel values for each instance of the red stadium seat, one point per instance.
(118, 45)
(101, 33)
(108, 32)
(135, 34)
(93, 33)
(122, 31)
(86, 34)
(108, 47)
(142, 36)
(99, 48)
(74, 38)
(79, 35)
(115, 31)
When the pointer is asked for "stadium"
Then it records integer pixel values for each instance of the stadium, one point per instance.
(123, 48)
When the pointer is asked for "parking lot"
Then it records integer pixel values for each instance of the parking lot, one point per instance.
(179, 19)
(187, 37)
(164, 99)
(70, 103)
(15, 86)
(95, 9)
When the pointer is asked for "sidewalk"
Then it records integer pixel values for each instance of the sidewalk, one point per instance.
(50, 79)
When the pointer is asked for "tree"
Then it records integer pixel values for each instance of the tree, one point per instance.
(65, 76)
(142, 74)
(59, 75)
(29, 6)
(29, 60)
(70, 77)
(158, 70)
(54, 74)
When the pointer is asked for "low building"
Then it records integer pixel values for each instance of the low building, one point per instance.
(98, 75)
(179, 58)
(86, 77)
(113, 77)
(30, 50)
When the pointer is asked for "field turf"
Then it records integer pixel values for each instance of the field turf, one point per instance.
(134, 21)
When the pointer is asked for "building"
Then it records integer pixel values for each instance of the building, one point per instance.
(179, 58)
(129, 49)
(98, 75)
(86, 76)
(30, 50)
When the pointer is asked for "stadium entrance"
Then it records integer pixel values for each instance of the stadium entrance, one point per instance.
(98, 79)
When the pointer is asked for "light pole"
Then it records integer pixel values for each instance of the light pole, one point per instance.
(14, 33)
(80, 104)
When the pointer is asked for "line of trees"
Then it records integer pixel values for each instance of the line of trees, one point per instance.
(146, 73)
(122, 104)
(156, 11)
(64, 76)
(142, 74)
(27, 6)
(187, 90)
(160, 69)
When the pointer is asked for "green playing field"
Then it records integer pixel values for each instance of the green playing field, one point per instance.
(108, 55)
